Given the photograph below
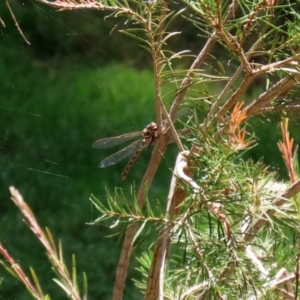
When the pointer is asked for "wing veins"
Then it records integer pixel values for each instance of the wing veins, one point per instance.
(114, 141)
(118, 156)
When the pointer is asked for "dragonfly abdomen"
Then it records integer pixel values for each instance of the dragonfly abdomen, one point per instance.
(131, 162)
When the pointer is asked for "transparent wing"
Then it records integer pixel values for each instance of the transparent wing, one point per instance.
(116, 140)
(116, 157)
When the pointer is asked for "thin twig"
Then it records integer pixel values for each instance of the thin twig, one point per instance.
(2, 22)
(36, 229)
(235, 46)
(276, 91)
(16, 22)
(237, 95)
(157, 57)
(155, 45)
(291, 61)
(61, 5)
(281, 108)
(188, 77)
(230, 83)
(198, 62)
(155, 41)
(19, 272)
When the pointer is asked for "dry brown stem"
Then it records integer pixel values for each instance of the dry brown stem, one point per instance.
(36, 229)
(19, 272)
(130, 234)
(274, 92)
(73, 5)
(176, 196)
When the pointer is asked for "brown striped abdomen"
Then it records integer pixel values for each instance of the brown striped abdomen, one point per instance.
(131, 162)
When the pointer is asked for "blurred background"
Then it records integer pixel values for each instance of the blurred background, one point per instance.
(78, 82)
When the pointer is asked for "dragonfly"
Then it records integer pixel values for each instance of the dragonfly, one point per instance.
(147, 138)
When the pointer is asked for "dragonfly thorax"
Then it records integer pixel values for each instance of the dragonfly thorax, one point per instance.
(150, 133)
